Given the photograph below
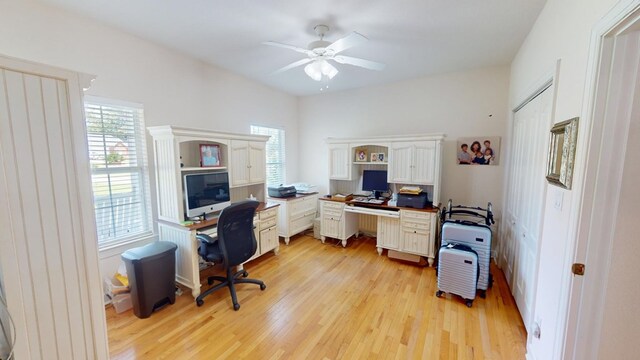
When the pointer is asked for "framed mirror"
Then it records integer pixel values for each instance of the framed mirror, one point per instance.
(562, 152)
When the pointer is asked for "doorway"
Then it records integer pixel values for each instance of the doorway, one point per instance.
(603, 322)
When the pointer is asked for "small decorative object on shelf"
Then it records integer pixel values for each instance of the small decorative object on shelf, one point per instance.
(378, 157)
(181, 163)
(209, 155)
(361, 155)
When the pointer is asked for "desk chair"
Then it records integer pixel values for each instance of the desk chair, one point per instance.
(236, 243)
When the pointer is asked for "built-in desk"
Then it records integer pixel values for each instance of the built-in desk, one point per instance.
(187, 258)
(398, 228)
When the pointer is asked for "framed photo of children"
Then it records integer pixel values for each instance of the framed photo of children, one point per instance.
(209, 155)
(479, 150)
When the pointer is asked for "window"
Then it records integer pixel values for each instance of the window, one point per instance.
(275, 153)
(119, 172)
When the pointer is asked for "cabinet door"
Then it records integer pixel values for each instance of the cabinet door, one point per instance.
(257, 162)
(330, 227)
(415, 241)
(400, 163)
(268, 239)
(339, 162)
(424, 163)
(388, 235)
(239, 164)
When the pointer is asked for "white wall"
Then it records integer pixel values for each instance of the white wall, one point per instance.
(457, 104)
(562, 31)
(173, 88)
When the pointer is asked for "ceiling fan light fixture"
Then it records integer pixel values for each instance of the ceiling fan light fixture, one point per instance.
(319, 69)
(313, 71)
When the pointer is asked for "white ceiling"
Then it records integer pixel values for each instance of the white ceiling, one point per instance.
(413, 37)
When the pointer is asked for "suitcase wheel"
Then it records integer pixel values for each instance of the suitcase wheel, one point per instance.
(469, 303)
(439, 293)
(483, 294)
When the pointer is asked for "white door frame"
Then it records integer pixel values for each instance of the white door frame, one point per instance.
(590, 232)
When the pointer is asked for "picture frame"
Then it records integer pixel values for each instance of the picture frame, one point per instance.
(382, 157)
(562, 152)
(374, 157)
(361, 155)
(478, 150)
(209, 155)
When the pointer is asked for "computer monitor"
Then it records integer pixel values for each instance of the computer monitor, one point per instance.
(375, 180)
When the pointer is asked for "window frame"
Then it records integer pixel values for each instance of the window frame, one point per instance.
(283, 163)
(142, 170)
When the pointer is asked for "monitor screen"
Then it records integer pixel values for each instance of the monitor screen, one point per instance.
(374, 180)
(206, 192)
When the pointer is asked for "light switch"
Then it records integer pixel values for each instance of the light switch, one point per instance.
(557, 201)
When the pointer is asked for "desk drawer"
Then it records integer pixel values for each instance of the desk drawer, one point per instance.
(267, 223)
(302, 223)
(410, 226)
(415, 216)
(332, 205)
(331, 213)
(269, 213)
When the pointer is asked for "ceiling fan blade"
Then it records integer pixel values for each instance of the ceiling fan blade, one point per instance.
(290, 47)
(367, 64)
(292, 65)
(346, 42)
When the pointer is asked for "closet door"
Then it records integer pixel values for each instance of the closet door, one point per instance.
(48, 242)
(525, 196)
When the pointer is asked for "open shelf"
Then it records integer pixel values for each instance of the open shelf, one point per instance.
(370, 163)
(203, 168)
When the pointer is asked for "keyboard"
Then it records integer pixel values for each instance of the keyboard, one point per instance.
(364, 200)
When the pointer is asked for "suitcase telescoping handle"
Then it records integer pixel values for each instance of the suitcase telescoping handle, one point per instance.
(469, 211)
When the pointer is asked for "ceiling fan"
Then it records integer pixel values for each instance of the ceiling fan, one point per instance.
(320, 51)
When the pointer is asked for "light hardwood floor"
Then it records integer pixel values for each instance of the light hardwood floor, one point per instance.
(327, 302)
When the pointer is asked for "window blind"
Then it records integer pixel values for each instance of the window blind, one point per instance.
(275, 152)
(119, 171)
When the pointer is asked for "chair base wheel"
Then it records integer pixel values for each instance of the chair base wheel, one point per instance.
(439, 293)
(245, 274)
(236, 307)
(199, 302)
(469, 303)
(263, 286)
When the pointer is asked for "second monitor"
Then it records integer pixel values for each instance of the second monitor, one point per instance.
(375, 180)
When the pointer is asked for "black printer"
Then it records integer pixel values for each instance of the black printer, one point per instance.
(282, 191)
(419, 201)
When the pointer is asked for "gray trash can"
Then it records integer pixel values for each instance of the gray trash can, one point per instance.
(152, 271)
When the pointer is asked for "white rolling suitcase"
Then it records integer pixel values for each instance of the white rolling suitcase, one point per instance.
(477, 237)
(458, 272)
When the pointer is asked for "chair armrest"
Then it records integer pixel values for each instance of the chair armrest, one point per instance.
(206, 239)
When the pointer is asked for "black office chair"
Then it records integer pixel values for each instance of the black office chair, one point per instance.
(236, 243)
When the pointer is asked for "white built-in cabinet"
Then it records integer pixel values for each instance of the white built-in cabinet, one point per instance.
(340, 165)
(335, 222)
(412, 232)
(388, 234)
(409, 159)
(413, 162)
(296, 214)
(48, 246)
(248, 159)
(177, 153)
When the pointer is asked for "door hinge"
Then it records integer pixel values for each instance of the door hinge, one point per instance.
(577, 269)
